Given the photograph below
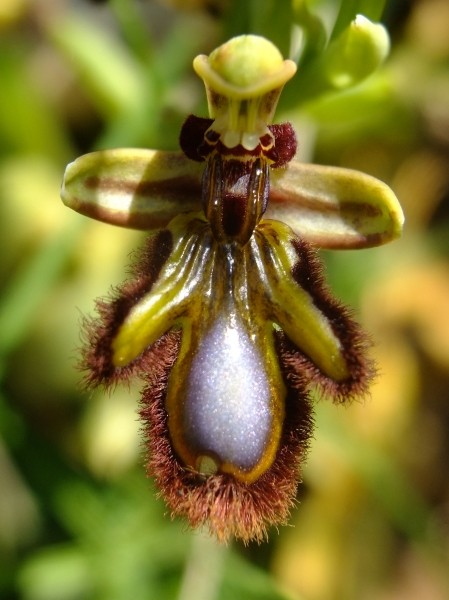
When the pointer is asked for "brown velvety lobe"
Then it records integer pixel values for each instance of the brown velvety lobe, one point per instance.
(285, 144)
(192, 134)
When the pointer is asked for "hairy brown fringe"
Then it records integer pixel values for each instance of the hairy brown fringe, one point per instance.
(226, 506)
(355, 343)
(98, 332)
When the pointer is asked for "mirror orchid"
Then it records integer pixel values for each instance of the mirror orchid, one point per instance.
(227, 317)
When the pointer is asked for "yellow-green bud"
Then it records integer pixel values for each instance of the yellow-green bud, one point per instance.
(357, 53)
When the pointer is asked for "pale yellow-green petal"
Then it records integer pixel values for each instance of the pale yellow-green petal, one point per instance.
(290, 306)
(165, 305)
(136, 188)
(334, 207)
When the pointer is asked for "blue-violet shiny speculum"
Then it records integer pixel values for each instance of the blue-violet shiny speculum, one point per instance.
(226, 317)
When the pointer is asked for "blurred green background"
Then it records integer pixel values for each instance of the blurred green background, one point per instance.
(78, 518)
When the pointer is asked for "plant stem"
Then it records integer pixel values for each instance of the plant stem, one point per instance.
(204, 569)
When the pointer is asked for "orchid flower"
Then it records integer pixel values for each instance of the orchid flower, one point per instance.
(227, 317)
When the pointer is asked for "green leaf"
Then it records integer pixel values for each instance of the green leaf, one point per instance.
(56, 573)
(272, 19)
(313, 30)
(20, 302)
(111, 75)
(27, 122)
(244, 580)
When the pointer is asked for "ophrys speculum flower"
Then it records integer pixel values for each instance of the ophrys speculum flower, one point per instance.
(227, 317)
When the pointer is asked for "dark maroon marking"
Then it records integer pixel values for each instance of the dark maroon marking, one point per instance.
(234, 213)
(315, 203)
(197, 141)
(266, 142)
(285, 144)
(93, 182)
(362, 209)
(245, 195)
(212, 136)
(165, 187)
(192, 136)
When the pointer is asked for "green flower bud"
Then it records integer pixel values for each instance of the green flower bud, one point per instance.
(356, 53)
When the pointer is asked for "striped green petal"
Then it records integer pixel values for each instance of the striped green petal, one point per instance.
(333, 207)
(135, 188)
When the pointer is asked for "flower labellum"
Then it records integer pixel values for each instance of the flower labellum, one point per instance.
(227, 317)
